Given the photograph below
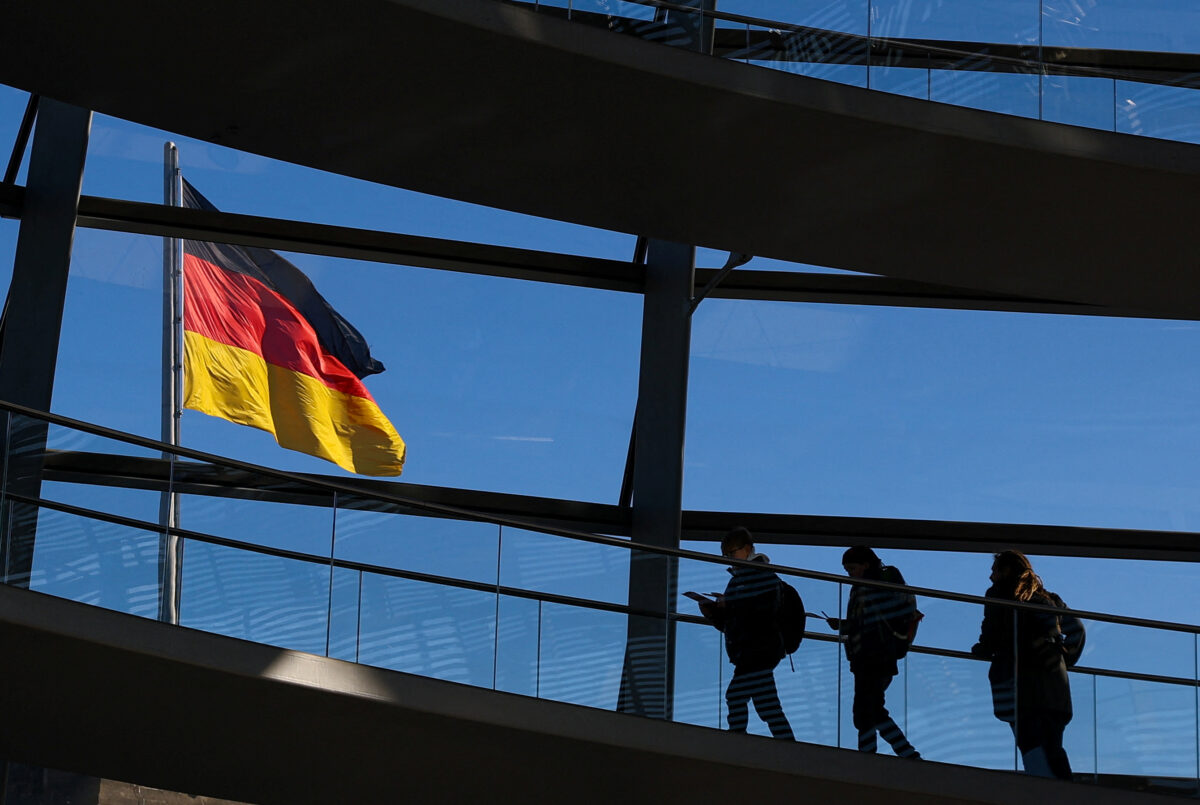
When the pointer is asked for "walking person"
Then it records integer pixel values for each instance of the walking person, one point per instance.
(747, 613)
(875, 626)
(1028, 675)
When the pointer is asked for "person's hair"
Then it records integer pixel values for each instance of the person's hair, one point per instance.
(862, 555)
(1016, 575)
(737, 538)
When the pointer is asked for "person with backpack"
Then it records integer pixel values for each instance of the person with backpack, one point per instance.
(876, 632)
(1030, 689)
(747, 613)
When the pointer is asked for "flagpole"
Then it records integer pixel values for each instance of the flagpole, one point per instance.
(172, 391)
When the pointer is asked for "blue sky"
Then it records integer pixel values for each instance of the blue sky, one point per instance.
(529, 388)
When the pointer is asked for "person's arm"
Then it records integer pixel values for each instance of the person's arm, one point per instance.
(756, 595)
(993, 632)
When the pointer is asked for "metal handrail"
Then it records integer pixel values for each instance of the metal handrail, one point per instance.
(515, 592)
(581, 536)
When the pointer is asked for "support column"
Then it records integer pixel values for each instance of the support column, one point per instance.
(647, 682)
(33, 318)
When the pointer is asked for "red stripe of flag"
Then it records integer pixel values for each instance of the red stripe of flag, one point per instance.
(240, 311)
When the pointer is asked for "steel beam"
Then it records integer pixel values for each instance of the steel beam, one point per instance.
(34, 311)
(647, 681)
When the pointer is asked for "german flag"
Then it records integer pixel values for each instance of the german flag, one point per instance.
(263, 348)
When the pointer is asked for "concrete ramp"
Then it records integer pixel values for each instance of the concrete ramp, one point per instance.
(119, 697)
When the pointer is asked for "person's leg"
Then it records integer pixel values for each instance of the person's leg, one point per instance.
(1056, 755)
(737, 697)
(768, 706)
(891, 731)
(867, 707)
(1030, 734)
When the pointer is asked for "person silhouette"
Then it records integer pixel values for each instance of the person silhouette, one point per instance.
(747, 613)
(871, 631)
(1030, 688)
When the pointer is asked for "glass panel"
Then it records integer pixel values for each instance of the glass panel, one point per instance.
(1080, 101)
(949, 698)
(459, 549)
(428, 629)
(1138, 650)
(41, 451)
(700, 675)
(823, 55)
(517, 644)
(291, 526)
(848, 16)
(950, 714)
(903, 81)
(1147, 730)
(581, 655)
(560, 566)
(1079, 739)
(267, 599)
(345, 599)
(1165, 26)
(1003, 21)
(93, 562)
(817, 693)
(1008, 93)
(1170, 113)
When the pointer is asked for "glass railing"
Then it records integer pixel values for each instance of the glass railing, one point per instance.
(1114, 66)
(498, 603)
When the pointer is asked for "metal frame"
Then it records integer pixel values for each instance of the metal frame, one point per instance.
(647, 684)
(139, 218)
(34, 306)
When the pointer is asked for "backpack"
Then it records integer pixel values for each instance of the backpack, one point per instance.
(1074, 636)
(791, 618)
(905, 631)
(903, 627)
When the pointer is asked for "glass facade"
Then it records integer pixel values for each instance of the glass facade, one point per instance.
(529, 390)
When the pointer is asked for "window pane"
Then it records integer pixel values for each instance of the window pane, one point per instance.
(945, 415)
(483, 395)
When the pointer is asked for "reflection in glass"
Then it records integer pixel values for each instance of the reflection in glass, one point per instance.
(267, 599)
(1146, 729)
(94, 562)
(550, 564)
(1122, 25)
(291, 526)
(699, 674)
(1079, 101)
(518, 645)
(1007, 93)
(345, 598)
(582, 655)
(950, 713)
(1149, 110)
(428, 629)
(461, 549)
